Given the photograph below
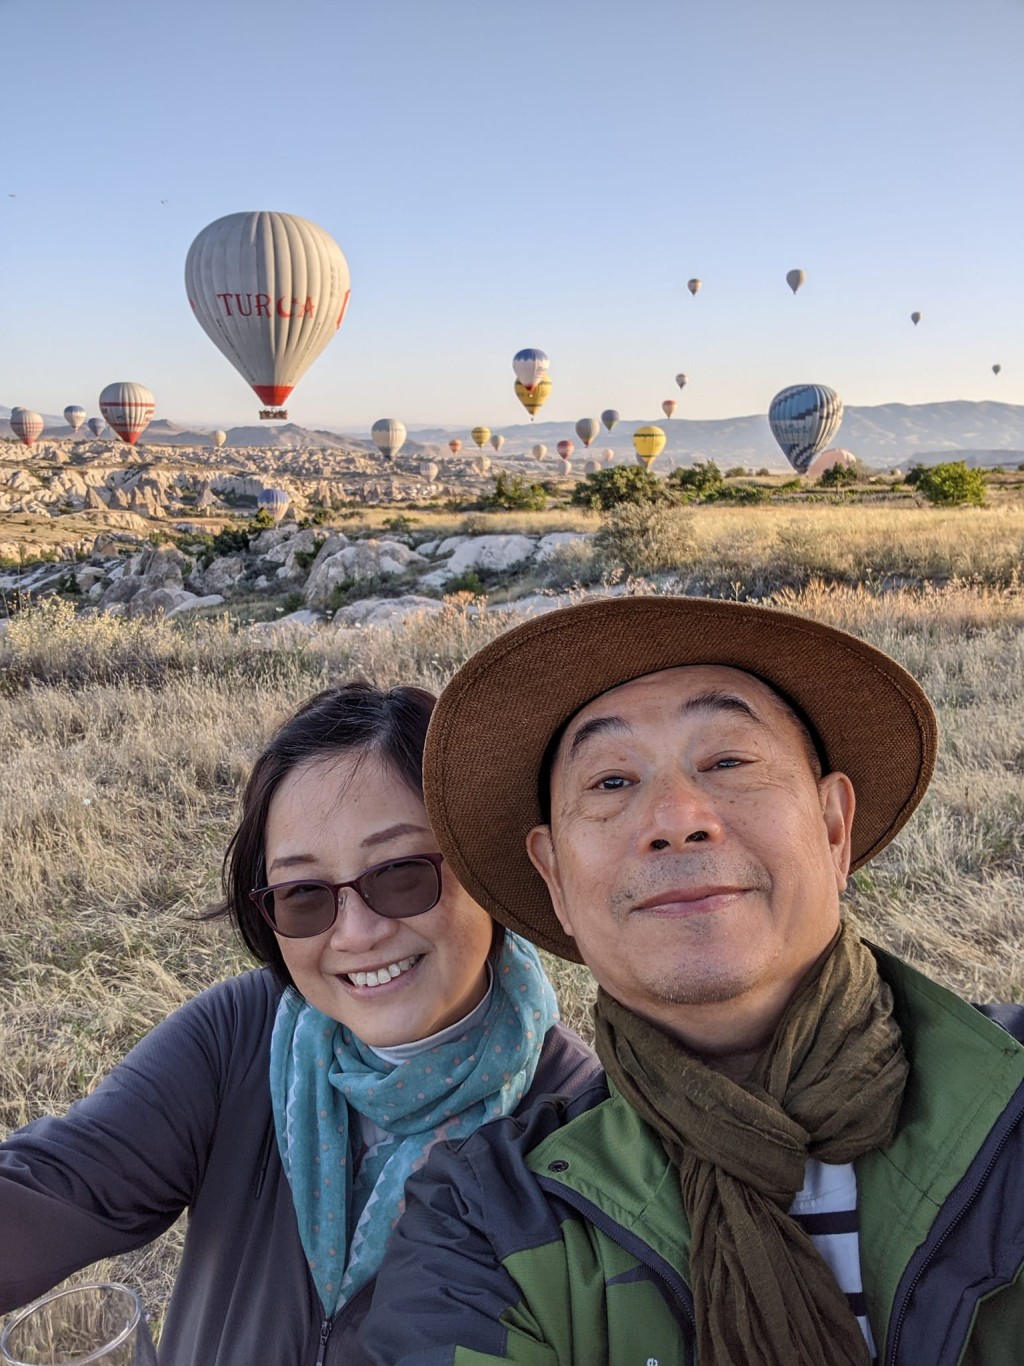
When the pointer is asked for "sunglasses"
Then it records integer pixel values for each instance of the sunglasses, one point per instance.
(396, 890)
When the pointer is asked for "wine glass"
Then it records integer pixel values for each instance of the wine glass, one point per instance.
(95, 1323)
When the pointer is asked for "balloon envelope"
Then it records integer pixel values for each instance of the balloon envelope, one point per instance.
(96, 425)
(540, 451)
(270, 290)
(804, 418)
(529, 365)
(535, 398)
(481, 435)
(829, 459)
(274, 501)
(669, 407)
(587, 429)
(565, 449)
(591, 467)
(74, 416)
(128, 408)
(455, 445)
(996, 369)
(482, 463)
(609, 455)
(565, 466)
(497, 442)
(694, 285)
(388, 436)
(682, 380)
(648, 442)
(609, 417)
(915, 318)
(429, 470)
(795, 278)
(26, 425)
(218, 438)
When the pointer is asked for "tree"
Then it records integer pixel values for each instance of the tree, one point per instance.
(513, 494)
(604, 490)
(952, 484)
(838, 477)
(702, 480)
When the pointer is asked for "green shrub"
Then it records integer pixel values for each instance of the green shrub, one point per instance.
(702, 480)
(913, 475)
(952, 484)
(838, 477)
(293, 602)
(304, 558)
(400, 523)
(467, 582)
(737, 493)
(645, 539)
(622, 484)
(737, 472)
(513, 494)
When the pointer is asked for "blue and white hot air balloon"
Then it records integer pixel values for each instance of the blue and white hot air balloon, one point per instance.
(274, 501)
(97, 425)
(74, 416)
(804, 418)
(530, 366)
(609, 417)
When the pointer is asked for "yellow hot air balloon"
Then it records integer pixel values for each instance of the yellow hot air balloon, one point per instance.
(481, 435)
(648, 442)
(535, 398)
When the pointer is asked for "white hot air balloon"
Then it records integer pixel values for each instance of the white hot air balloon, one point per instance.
(564, 467)
(539, 451)
(218, 438)
(270, 290)
(26, 425)
(429, 471)
(530, 365)
(388, 436)
(609, 455)
(128, 408)
(74, 416)
(481, 464)
(497, 442)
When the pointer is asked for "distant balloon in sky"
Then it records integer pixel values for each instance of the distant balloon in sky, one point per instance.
(96, 425)
(609, 455)
(609, 417)
(669, 407)
(218, 438)
(274, 501)
(481, 435)
(482, 463)
(694, 285)
(587, 429)
(497, 442)
(270, 290)
(429, 471)
(530, 365)
(74, 416)
(539, 451)
(455, 445)
(996, 369)
(804, 418)
(565, 449)
(795, 278)
(533, 399)
(915, 318)
(682, 380)
(26, 425)
(648, 442)
(128, 408)
(388, 436)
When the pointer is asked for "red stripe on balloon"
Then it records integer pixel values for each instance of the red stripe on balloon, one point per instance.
(273, 395)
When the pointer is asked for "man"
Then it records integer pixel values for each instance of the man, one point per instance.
(804, 1152)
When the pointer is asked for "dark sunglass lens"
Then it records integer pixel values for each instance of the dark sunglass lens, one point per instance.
(406, 887)
(301, 909)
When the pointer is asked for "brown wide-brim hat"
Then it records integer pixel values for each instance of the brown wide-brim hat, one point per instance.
(492, 727)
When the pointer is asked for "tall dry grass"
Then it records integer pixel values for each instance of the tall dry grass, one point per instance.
(123, 746)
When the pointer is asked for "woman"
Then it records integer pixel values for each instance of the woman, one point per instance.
(285, 1107)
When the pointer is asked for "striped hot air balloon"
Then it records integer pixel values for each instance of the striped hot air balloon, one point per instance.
(429, 471)
(804, 418)
(26, 425)
(388, 436)
(565, 449)
(481, 436)
(534, 399)
(530, 365)
(587, 430)
(497, 442)
(128, 408)
(270, 290)
(74, 416)
(274, 501)
(648, 442)
(96, 425)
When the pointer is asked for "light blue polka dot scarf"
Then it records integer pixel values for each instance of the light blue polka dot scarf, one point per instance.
(320, 1073)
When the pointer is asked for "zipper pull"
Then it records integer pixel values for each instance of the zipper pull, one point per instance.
(325, 1333)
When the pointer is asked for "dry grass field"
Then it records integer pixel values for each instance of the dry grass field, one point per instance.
(123, 745)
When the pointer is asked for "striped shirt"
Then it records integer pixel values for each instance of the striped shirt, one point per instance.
(826, 1210)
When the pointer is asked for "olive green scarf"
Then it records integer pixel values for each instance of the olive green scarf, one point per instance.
(828, 1086)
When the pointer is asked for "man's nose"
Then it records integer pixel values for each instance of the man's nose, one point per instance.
(680, 811)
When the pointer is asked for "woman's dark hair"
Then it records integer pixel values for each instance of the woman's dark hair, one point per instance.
(355, 719)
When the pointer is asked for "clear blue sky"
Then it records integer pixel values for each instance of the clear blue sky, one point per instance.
(509, 175)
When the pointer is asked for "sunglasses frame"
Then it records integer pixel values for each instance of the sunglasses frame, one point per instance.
(258, 895)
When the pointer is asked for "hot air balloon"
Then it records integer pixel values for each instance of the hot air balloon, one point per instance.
(915, 318)
(804, 418)
(74, 416)
(535, 398)
(669, 407)
(565, 449)
(429, 471)
(128, 408)
(609, 455)
(694, 285)
(648, 442)
(218, 438)
(591, 467)
(455, 445)
(26, 425)
(530, 365)
(609, 417)
(996, 369)
(270, 290)
(587, 429)
(274, 501)
(564, 467)
(388, 436)
(795, 278)
(540, 452)
(682, 380)
(482, 463)
(497, 442)
(481, 435)
(827, 459)
(96, 425)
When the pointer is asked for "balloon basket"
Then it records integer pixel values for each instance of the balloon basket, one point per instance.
(273, 414)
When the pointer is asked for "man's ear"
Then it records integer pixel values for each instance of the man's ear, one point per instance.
(838, 803)
(541, 848)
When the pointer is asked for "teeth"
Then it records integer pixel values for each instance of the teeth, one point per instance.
(379, 976)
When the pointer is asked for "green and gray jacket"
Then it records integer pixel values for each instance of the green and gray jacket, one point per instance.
(561, 1238)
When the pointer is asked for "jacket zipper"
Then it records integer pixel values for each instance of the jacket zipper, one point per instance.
(635, 1246)
(325, 1333)
(890, 1356)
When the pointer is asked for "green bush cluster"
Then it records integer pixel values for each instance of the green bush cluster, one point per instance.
(603, 490)
(838, 477)
(951, 484)
(512, 493)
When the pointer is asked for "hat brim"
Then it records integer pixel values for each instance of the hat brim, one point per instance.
(492, 726)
